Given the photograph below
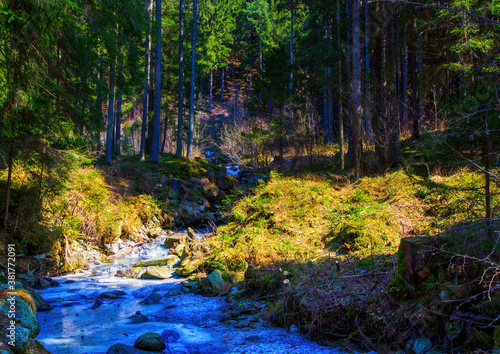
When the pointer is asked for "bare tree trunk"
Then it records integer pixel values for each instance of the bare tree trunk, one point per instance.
(9, 183)
(222, 87)
(341, 95)
(111, 116)
(181, 79)
(155, 147)
(210, 102)
(193, 76)
(357, 130)
(118, 123)
(146, 89)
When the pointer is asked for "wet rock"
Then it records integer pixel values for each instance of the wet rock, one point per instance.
(212, 286)
(138, 317)
(150, 341)
(254, 339)
(154, 232)
(125, 349)
(113, 294)
(191, 233)
(421, 345)
(243, 308)
(172, 293)
(154, 272)
(134, 273)
(27, 326)
(175, 240)
(191, 267)
(23, 337)
(180, 249)
(152, 299)
(70, 281)
(43, 283)
(41, 304)
(170, 336)
(294, 329)
(171, 261)
(97, 303)
(54, 283)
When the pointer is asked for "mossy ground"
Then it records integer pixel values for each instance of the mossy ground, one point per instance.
(326, 251)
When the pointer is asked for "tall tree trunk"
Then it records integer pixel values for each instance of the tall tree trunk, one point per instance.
(261, 66)
(366, 92)
(210, 102)
(341, 93)
(222, 87)
(193, 77)
(357, 130)
(111, 116)
(155, 147)
(181, 79)
(146, 88)
(9, 183)
(291, 48)
(118, 123)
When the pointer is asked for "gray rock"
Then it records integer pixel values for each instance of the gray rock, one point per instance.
(23, 336)
(175, 240)
(155, 272)
(41, 304)
(170, 336)
(171, 261)
(422, 345)
(191, 233)
(134, 273)
(125, 349)
(24, 314)
(138, 317)
(113, 294)
(212, 285)
(254, 339)
(152, 299)
(150, 341)
(294, 329)
(43, 283)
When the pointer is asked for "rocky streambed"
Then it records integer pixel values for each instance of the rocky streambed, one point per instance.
(112, 306)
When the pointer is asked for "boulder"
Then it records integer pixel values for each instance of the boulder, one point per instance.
(152, 299)
(126, 349)
(134, 273)
(113, 294)
(175, 240)
(138, 317)
(154, 232)
(41, 304)
(212, 285)
(171, 261)
(191, 233)
(155, 272)
(180, 249)
(150, 341)
(191, 267)
(26, 325)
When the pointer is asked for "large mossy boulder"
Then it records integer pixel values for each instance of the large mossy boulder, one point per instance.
(127, 349)
(150, 341)
(134, 273)
(21, 307)
(175, 240)
(155, 272)
(212, 285)
(168, 261)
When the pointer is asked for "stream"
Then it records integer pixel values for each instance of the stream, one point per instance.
(83, 321)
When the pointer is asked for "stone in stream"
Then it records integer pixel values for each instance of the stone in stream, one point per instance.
(175, 240)
(97, 303)
(138, 318)
(154, 272)
(113, 294)
(41, 304)
(171, 261)
(150, 341)
(170, 336)
(127, 349)
(191, 233)
(189, 268)
(212, 285)
(152, 299)
(134, 273)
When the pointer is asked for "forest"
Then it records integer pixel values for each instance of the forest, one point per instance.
(340, 156)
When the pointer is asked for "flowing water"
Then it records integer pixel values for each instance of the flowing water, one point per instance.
(78, 325)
